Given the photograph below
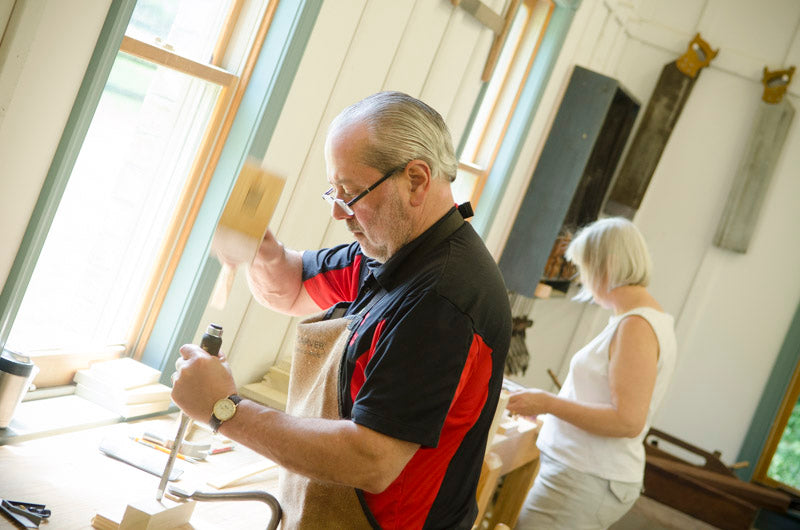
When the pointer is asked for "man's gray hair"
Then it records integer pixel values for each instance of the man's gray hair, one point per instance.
(402, 128)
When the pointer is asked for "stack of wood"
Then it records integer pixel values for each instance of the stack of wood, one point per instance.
(125, 386)
(273, 389)
(710, 492)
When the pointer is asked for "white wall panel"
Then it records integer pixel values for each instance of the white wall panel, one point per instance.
(749, 34)
(596, 14)
(421, 38)
(792, 59)
(468, 89)
(37, 107)
(603, 44)
(452, 60)
(639, 68)
(735, 320)
(621, 40)
(6, 6)
(679, 15)
(669, 25)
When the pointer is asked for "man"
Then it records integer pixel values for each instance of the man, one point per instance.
(394, 388)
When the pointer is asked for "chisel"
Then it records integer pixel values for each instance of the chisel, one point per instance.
(211, 343)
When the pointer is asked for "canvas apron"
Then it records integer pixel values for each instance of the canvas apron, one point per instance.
(314, 393)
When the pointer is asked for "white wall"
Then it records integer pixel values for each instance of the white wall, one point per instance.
(42, 63)
(733, 310)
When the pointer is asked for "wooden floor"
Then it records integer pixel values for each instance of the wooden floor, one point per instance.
(648, 514)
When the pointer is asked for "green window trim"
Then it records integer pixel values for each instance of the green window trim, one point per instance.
(769, 405)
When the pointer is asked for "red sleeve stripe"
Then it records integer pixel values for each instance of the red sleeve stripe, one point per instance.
(426, 470)
(357, 381)
(336, 285)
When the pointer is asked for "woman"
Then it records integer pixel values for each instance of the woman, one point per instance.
(592, 455)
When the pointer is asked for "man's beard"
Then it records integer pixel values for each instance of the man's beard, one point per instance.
(393, 216)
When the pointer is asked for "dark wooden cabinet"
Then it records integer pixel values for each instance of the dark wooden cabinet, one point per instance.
(572, 177)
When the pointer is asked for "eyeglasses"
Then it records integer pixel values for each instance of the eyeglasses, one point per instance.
(347, 207)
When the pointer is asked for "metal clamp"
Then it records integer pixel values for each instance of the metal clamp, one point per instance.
(262, 496)
(26, 514)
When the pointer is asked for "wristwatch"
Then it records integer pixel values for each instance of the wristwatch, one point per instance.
(224, 409)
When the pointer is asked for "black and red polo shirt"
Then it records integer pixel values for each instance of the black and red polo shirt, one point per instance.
(424, 363)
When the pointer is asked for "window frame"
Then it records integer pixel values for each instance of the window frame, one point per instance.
(468, 164)
(520, 120)
(788, 403)
(272, 66)
(772, 413)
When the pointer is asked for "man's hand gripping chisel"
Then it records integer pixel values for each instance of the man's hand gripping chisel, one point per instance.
(211, 343)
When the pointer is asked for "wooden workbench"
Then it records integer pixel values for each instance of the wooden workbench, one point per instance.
(69, 474)
(75, 480)
(514, 458)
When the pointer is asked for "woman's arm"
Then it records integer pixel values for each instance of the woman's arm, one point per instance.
(631, 378)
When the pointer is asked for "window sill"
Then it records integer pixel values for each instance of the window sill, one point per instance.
(56, 415)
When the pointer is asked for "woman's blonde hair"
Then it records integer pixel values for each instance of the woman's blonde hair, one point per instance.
(609, 253)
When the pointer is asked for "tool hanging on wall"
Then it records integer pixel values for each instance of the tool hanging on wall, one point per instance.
(666, 104)
(521, 306)
(754, 174)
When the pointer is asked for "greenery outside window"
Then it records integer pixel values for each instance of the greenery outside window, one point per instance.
(779, 464)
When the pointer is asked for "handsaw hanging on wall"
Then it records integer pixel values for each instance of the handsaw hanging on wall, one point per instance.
(666, 103)
(749, 189)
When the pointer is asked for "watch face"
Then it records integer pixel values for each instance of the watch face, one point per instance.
(224, 409)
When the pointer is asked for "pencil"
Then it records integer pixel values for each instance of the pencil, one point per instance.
(163, 449)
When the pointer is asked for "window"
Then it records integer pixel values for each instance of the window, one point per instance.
(500, 97)
(779, 465)
(137, 182)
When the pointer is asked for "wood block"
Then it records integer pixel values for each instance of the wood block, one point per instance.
(243, 222)
(148, 515)
(498, 416)
(284, 364)
(507, 426)
(543, 291)
(264, 394)
(252, 201)
(277, 378)
(155, 516)
(518, 447)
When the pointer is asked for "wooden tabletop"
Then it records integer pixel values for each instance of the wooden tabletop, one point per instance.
(70, 475)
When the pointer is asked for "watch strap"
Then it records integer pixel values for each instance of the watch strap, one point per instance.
(215, 422)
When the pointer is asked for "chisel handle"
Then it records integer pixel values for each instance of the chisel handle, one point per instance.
(211, 343)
